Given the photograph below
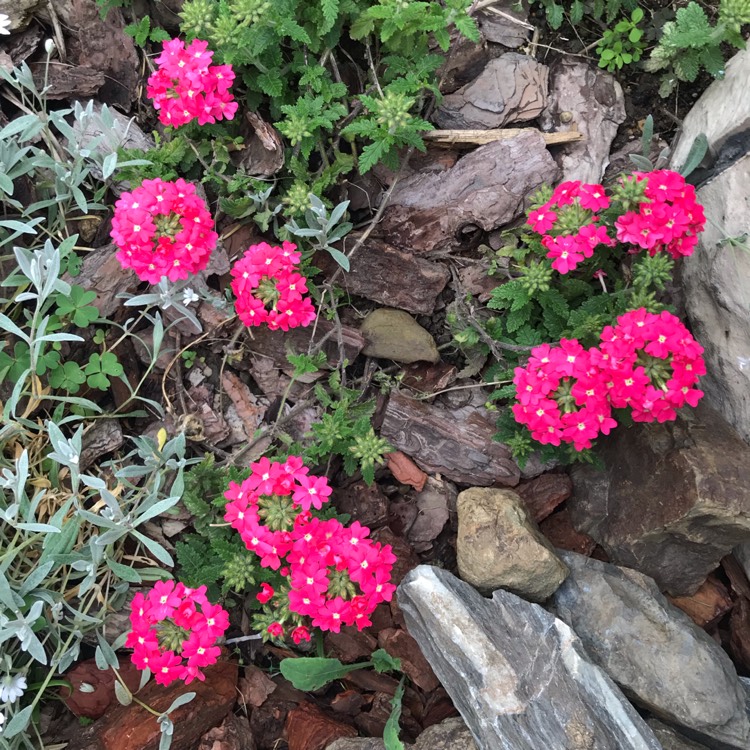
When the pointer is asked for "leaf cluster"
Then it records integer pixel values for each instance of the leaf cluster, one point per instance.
(691, 43)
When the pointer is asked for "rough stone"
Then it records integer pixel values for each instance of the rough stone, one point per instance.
(438, 209)
(519, 676)
(672, 500)
(360, 743)
(511, 88)
(450, 734)
(653, 651)
(596, 103)
(722, 110)
(715, 284)
(456, 443)
(394, 334)
(671, 740)
(389, 276)
(498, 546)
(742, 554)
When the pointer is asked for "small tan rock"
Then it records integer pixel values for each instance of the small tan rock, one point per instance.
(498, 546)
(394, 334)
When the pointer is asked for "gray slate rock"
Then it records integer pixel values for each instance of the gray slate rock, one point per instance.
(520, 678)
(670, 739)
(654, 651)
(499, 546)
(512, 88)
(672, 500)
(722, 110)
(715, 283)
(450, 734)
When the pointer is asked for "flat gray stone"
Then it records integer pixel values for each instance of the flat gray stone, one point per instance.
(722, 110)
(450, 734)
(715, 280)
(520, 677)
(653, 651)
(670, 739)
(671, 500)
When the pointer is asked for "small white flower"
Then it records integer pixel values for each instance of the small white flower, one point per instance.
(49, 46)
(12, 688)
(4, 29)
(189, 296)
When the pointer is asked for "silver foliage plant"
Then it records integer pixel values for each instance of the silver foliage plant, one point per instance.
(69, 538)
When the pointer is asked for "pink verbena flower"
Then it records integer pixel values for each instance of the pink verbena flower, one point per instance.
(568, 223)
(333, 575)
(668, 220)
(187, 87)
(163, 229)
(653, 365)
(562, 395)
(174, 632)
(269, 288)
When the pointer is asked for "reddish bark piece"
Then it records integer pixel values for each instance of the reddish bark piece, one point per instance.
(308, 728)
(350, 645)
(401, 515)
(373, 722)
(102, 44)
(256, 686)
(456, 443)
(349, 702)
(542, 494)
(263, 154)
(248, 409)
(429, 378)
(438, 210)
(399, 644)
(93, 705)
(438, 707)
(133, 728)
(233, 734)
(364, 503)
(405, 470)
(381, 618)
(511, 88)
(406, 559)
(707, 605)
(381, 273)
(739, 632)
(558, 528)
(65, 82)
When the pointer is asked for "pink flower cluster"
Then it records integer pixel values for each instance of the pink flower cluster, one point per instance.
(269, 288)
(647, 362)
(670, 219)
(163, 229)
(334, 574)
(175, 630)
(187, 87)
(566, 249)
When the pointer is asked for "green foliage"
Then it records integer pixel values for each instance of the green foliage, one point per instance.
(599, 10)
(622, 44)
(691, 43)
(289, 56)
(344, 430)
(142, 32)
